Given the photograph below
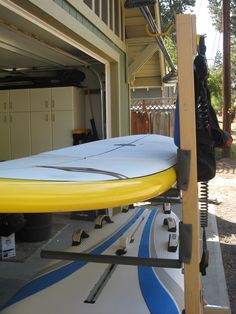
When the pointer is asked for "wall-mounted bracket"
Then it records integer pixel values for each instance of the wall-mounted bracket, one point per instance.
(183, 168)
(185, 242)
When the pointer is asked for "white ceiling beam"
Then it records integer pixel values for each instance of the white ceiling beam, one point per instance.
(147, 82)
(140, 40)
(134, 20)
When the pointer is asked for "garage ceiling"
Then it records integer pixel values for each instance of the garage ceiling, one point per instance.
(27, 48)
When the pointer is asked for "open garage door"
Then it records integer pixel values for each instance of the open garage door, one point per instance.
(36, 69)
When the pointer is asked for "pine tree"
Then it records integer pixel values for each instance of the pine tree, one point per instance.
(169, 9)
(215, 7)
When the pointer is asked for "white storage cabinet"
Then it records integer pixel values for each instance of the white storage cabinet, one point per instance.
(37, 120)
(14, 124)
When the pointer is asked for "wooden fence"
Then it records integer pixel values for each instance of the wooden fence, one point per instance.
(153, 116)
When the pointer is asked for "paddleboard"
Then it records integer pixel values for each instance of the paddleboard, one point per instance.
(105, 173)
(87, 288)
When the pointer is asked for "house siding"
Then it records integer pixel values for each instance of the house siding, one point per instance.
(79, 17)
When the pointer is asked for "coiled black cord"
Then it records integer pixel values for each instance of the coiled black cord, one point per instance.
(204, 193)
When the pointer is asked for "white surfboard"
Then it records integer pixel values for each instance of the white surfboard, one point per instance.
(105, 173)
(89, 288)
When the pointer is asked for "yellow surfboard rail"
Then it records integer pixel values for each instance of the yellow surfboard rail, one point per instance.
(28, 196)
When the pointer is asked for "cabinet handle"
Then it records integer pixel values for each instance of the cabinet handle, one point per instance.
(53, 103)
(46, 104)
(5, 106)
(46, 118)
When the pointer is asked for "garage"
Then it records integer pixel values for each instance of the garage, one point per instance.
(50, 84)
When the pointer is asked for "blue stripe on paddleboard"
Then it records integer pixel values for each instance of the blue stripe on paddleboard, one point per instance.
(156, 297)
(59, 274)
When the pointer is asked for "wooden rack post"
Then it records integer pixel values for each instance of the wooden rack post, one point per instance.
(186, 49)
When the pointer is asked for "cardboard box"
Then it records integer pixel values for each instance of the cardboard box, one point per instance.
(7, 246)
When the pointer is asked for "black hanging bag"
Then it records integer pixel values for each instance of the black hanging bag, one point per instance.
(208, 133)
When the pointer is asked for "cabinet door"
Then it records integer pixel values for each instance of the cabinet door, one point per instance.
(5, 146)
(20, 134)
(62, 126)
(62, 98)
(40, 99)
(19, 100)
(4, 100)
(41, 132)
